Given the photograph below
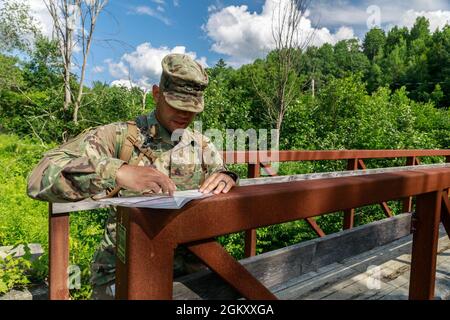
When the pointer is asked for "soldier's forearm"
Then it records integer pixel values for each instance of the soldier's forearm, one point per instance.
(79, 179)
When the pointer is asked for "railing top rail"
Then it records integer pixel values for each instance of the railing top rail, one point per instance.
(336, 174)
(256, 206)
(89, 204)
(283, 156)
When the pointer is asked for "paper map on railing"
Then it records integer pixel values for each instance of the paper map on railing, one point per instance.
(177, 201)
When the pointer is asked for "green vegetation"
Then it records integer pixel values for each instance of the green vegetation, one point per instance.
(392, 92)
(23, 220)
(12, 273)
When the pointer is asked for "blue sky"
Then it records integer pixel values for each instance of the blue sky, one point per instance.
(179, 25)
(133, 36)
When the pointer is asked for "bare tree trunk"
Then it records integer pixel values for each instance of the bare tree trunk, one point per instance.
(66, 16)
(67, 89)
(91, 12)
(68, 47)
(61, 14)
(144, 99)
(288, 43)
(279, 122)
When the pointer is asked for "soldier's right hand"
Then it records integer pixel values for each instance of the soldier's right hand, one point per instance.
(144, 179)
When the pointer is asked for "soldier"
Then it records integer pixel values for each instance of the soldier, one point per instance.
(137, 158)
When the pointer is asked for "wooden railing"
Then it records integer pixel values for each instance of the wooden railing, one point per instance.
(248, 208)
(258, 161)
(150, 236)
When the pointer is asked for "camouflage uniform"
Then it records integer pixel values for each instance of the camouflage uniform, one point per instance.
(87, 165)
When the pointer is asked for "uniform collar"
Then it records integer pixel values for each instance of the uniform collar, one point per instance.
(157, 131)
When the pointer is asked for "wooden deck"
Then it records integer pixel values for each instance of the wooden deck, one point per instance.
(379, 274)
(368, 262)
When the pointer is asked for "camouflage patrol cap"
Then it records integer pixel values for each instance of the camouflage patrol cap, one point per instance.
(183, 81)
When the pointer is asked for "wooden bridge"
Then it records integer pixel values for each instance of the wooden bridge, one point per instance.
(151, 236)
(369, 262)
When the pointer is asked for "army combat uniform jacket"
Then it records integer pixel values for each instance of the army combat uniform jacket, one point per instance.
(86, 166)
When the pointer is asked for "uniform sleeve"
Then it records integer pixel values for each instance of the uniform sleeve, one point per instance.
(79, 169)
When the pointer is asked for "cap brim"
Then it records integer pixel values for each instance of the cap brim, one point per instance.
(185, 102)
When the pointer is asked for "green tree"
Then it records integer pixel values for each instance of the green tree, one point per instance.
(395, 65)
(17, 27)
(395, 36)
(418, 78)
(11, 77)
(349, 58)
(44, 68)
(374, 43)
(439, 66)
(437, 95)
(420, 30)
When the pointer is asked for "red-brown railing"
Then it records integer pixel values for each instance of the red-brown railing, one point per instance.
(254, 206)
(145, 271)
(355, 161)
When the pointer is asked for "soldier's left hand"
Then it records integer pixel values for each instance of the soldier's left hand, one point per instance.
(218, 182)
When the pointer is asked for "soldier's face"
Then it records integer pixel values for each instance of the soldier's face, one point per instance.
(168, 116)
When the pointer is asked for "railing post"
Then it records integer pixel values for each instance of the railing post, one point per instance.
(447, 159)
(250, 235)
(313, 224)
(144, 262)
(349, 215)
(407, 203)
(222, 263)
(425, 244)
(58, 247)
(445, 211)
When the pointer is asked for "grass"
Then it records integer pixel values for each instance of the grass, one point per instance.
(24, 220)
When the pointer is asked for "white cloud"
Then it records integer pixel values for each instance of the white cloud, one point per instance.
(117, 70)
(243, 35)
(212, 8)
(401, 13)
(176, 3)
(438, 19)
(145, 10)
(160, 9)
(159, 2)
(39, 11)
(143, 65)
(124, 84)
(217, 6)
(344, 33)
(98, 69)
(203, 62)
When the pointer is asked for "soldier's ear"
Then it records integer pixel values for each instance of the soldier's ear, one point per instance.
(155, 92)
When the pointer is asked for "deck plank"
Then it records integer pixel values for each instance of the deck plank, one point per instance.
(312, 270)
(393, 262)
(285, 267)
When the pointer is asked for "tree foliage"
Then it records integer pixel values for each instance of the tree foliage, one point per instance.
(17, 27)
